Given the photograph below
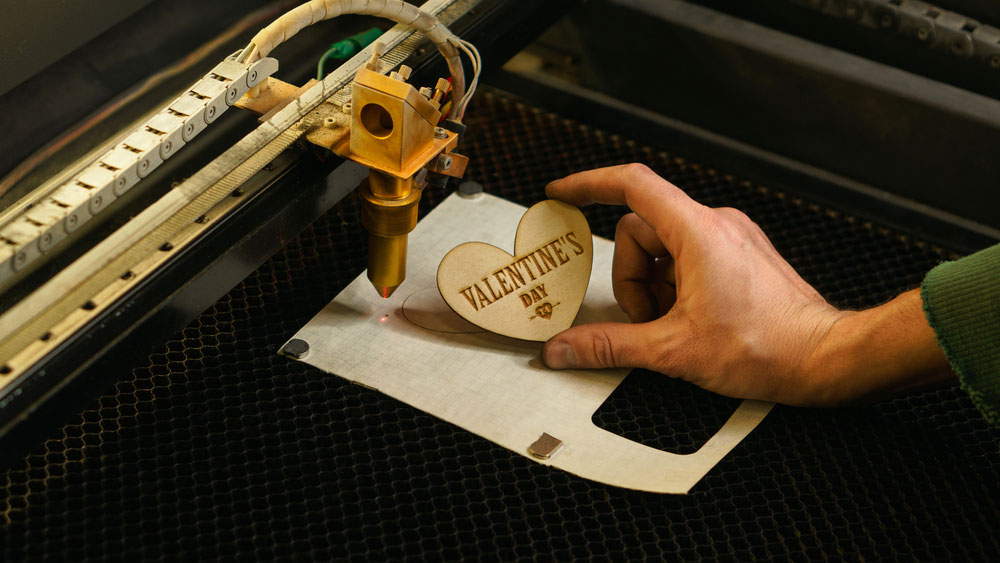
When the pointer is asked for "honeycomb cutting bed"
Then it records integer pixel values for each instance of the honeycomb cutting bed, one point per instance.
(217, 448)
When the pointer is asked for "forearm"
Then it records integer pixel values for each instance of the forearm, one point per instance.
(871, 354)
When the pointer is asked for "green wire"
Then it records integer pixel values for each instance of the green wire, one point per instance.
(347, 47)
(322, 60)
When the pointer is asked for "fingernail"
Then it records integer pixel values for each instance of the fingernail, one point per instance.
(559, 355)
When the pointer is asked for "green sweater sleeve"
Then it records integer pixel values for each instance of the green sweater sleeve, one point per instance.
(962, 303)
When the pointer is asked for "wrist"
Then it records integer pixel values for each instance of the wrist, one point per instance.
(830, 367)
(871, 354)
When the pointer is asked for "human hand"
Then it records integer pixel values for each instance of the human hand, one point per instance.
(712, 302)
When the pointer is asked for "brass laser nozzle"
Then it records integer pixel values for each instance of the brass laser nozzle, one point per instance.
(389, 213)
(394, 133)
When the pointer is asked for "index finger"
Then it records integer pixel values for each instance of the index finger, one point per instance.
(659, 203)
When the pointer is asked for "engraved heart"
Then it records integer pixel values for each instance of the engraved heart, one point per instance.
(534, 294)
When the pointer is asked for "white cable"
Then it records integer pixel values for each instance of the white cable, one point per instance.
(477, 66)
(293, 21)
(459, 104)
(479, 71)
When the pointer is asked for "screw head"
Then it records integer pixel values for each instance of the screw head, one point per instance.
(296, 348)
(470, 189)
(444, 162)
(440, 133)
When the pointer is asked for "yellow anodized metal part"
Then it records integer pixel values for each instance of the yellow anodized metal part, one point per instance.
(389, 221)
(393, 133)
(392, 124)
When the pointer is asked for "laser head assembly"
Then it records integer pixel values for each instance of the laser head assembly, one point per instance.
(396, 130)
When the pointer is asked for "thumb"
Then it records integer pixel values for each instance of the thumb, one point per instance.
(603, 345)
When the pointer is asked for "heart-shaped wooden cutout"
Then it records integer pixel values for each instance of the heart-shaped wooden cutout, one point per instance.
(534, 294)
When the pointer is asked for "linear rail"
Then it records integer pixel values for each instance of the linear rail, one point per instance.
(26, 330)
(39, 228)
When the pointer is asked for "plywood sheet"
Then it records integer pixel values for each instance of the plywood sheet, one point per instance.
(414, 348)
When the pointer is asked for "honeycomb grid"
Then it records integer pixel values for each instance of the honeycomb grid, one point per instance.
(217, 448)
